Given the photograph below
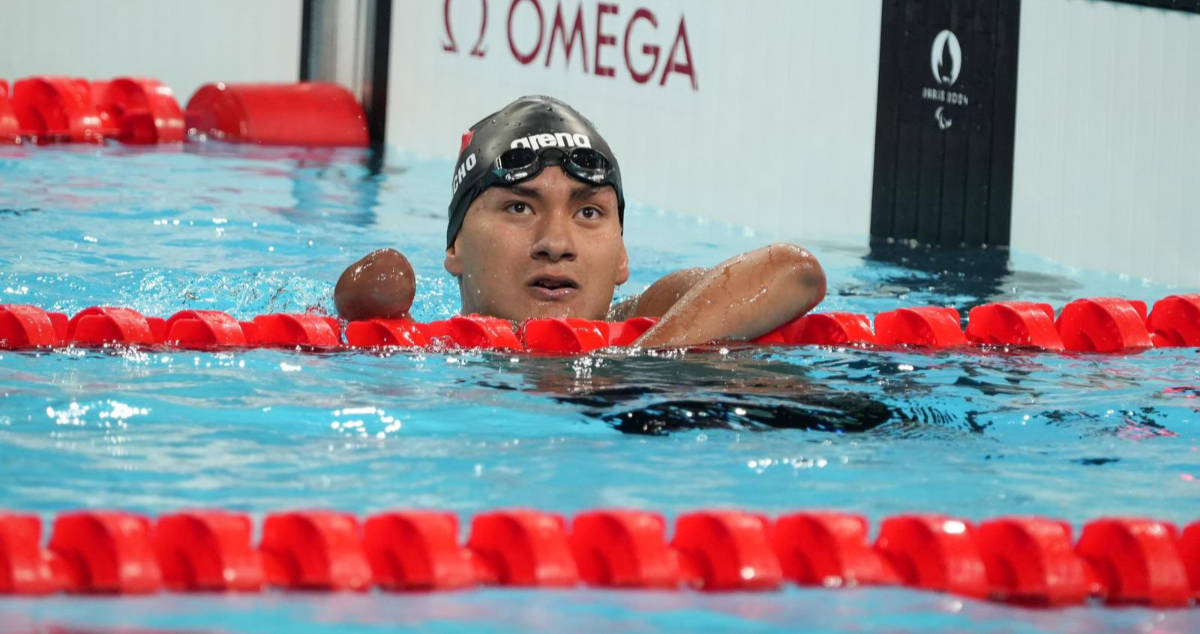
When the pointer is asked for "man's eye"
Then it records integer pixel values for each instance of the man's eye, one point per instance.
(590, 213)
(517, 208)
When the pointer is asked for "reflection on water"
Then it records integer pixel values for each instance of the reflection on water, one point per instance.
(650, 395)
(961, 277)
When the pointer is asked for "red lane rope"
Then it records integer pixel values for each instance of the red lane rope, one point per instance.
(142, 111)
(1099, 324)
(1024, 560)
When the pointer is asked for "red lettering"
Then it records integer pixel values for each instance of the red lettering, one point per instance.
(604, 39)
(685, 68)
(647, 49)
(451, 46)
(512, 9)
(477, 50)
(559, 28)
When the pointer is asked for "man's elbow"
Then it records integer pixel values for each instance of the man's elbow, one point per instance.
(801, 272)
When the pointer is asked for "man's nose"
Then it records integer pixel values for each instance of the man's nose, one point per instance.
(554, 241)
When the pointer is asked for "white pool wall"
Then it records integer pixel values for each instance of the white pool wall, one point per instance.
(183, 43)
(778, 134)
(1107, 156)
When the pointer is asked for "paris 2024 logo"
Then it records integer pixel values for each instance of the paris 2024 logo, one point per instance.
(945, 60)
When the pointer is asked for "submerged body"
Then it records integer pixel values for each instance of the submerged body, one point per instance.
(540, 235)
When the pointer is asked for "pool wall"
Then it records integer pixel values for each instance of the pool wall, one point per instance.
(1107, 137)
(183, 44)
(769, 105)
(777, 102)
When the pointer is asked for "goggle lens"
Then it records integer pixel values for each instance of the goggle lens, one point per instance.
(589, 159)
(517, 159)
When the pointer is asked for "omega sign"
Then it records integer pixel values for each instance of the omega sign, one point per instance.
(945, 60)
(543, 32)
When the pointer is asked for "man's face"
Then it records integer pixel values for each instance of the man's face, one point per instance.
(550, 246)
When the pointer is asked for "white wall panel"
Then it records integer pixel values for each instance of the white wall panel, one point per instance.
(180, 42)
(779, 134)
(1107, 138)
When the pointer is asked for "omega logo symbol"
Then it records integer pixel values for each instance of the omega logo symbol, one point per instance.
(538, 30)
(452, 46)
(946, 58)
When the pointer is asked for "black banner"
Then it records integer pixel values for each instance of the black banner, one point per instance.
(945, 121)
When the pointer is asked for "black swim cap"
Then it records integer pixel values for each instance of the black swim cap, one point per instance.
(532, 122)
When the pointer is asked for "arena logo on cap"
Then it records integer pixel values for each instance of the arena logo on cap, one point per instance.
(552, 139)
(535, 33)
(945, 60)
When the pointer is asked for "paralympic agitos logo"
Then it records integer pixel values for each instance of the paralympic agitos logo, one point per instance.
(537, 35)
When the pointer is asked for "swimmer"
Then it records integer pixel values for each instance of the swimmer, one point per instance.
(535, 230)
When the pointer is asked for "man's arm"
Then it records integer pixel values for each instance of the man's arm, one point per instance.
(739, 299)
(658, 297)
(380, 285)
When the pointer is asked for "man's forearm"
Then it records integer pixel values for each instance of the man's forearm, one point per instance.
(743, 298)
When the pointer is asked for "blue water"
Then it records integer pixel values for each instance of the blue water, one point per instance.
(974, 434)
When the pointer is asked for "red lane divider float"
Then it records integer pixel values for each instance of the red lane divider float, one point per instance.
(927, 326)
(10, 126)
(934, 552)
(1136, 561)
(474, 331)
(821, 548)
(138, 110)
(1021, 560)
(565, 336)
(58, 110)
(376, 333)
(1085, 325)
(204, 329)
(623, 549)
(99, 325)
(314, 114)
(142, 111)
(826, 329)
(1014, 323)
(1175, 321)
(207, 551)
(1031, 560)
(1104, 324)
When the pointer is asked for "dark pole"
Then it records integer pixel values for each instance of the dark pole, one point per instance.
(348, 43)
(375, 88)
(306, 39)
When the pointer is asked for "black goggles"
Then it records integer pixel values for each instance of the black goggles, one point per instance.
(583, 163)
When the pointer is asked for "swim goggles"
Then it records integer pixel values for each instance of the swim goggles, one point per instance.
(520, 164)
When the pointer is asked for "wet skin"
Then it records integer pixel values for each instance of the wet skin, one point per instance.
(552, 247)
(548, 247)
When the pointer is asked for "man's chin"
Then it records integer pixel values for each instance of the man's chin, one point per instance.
(543, 310)
(552, 310)
(563, 310)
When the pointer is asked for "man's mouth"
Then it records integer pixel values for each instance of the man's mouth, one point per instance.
(552, 286)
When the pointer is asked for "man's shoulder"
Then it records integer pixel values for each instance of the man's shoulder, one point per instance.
(622, 309)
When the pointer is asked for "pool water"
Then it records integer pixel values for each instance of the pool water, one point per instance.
(976, 434)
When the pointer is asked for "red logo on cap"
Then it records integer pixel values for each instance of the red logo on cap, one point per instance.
(466, 140)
